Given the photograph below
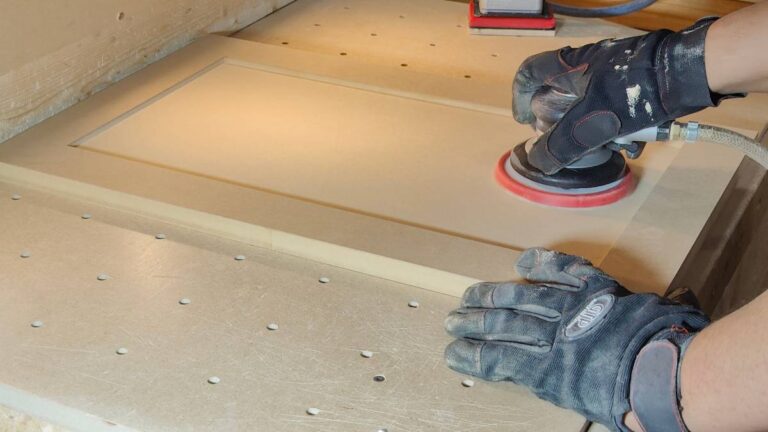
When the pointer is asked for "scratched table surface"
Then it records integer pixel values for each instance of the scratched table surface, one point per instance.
(70, 368)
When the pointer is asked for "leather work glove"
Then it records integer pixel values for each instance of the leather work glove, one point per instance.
(578, 339)
(609, 89)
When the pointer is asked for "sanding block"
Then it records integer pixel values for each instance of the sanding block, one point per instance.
(511, 17)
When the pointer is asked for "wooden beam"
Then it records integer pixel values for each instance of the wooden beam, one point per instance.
(53, 54)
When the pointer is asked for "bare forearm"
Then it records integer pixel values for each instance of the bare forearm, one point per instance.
(735, 51)
(724, 376)
(724, 380)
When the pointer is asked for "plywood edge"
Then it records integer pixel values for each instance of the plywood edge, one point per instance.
(42, 411)
(303, 247)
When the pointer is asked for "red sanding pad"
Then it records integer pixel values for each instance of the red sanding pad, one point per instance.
(562, 200)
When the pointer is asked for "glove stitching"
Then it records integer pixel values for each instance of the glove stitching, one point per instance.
(562, 60)
(584, 120)
(582, 67)
(493, 295)
(478, 355)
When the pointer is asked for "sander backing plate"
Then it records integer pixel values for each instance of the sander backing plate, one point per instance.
(573, 198)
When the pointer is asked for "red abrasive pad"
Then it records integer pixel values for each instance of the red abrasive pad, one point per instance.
(562, 200)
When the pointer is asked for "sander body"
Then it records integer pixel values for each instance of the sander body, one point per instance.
(511, 17)
(599, 177)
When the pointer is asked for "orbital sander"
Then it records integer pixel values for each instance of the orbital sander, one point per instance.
(600, 177)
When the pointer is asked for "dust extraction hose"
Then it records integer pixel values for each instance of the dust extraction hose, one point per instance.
(692, 131)
(598, 12)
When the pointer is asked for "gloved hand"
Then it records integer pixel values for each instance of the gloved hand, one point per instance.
(610, 89)
(574, 337)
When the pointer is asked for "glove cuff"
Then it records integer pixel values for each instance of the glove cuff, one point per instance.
(653, 395)
(682, 72)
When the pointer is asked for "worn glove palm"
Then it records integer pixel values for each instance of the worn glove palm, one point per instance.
(609, 89)
(571, 336)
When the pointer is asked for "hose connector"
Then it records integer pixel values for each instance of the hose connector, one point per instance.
(691, 133)
(688, 132)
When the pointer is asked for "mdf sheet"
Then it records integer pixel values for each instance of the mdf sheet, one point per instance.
(133, 317)
(371, 151)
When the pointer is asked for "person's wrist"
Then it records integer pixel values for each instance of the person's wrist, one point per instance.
(631, 423)
(690, 367)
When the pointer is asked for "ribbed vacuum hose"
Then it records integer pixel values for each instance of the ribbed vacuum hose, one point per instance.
(756, 151)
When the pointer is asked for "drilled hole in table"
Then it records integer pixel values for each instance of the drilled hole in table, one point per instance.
(404, 64)
(342, 53)
(379, 378)
(284, 43)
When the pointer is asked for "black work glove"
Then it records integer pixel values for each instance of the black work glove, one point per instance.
(573, 336)
(610, 89)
